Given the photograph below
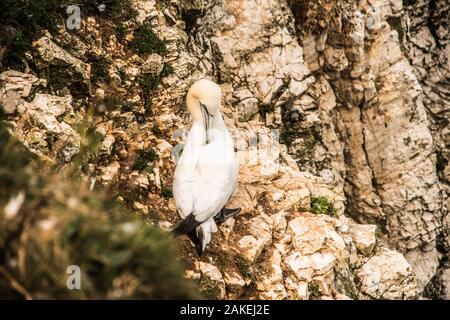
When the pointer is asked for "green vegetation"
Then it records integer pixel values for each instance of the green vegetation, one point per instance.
(166, 192)
(243, 267)
(61, 223)
(121, 31)
(146, 41)
(310, 137)
(313, 291)
(321, 205)
(23, 20)
(143, 158)
(148, 84)
(167, 70)
(99, 68)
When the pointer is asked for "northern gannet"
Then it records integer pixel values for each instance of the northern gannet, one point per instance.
(207, 170)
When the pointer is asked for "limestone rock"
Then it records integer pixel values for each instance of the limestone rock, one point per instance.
(15, 85)
(153, 65)
(212, 283)
(61, 67)
(51, 136)
(234, 285)
(250, 248)
(384, 274)
(347, 101)
(363, 237)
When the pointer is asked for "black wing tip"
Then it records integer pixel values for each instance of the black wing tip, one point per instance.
(186, 226)
(199, 244)
(226, 214)
(197, 241)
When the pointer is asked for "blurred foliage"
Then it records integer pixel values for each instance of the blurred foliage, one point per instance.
(61, 223)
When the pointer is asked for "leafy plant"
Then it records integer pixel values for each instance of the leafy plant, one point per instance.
(166, 192)
(313, 291)
(146, 41)
(321, 205)
(143, 158)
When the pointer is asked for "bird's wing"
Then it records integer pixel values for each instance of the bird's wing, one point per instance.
(206, 175)
(186, 172)
(216, 179)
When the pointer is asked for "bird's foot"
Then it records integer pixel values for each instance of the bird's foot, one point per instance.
(225, 214)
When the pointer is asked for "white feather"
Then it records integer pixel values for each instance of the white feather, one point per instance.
(206, 175)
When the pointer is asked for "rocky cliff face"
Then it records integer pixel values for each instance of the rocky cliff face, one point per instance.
(340, 114)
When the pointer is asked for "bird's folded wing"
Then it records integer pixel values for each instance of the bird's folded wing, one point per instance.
(216, 180)
(205, 176)
(186, 173)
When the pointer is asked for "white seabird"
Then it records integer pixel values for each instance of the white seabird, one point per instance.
(207, 171)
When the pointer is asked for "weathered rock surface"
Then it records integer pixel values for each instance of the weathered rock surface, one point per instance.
(387, 275)
(346, 102)
(389, 150)
(59, 66)
(43, 124)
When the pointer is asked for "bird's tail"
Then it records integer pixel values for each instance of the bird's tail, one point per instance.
(186, 226)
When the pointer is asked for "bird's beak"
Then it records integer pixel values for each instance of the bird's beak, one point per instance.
(207, 117)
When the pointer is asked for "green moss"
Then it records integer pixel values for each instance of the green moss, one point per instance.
(99, 68)
(166, 192)
(121, 31)
(244, 268)
(313, 291)
(16, 45)
(352, 267)
(265, 109)
(143, 158)
(321, 205)
(146, 41)
(112, 103)
(167, 70)
(148, 84)
(22, 21)
(155, 128)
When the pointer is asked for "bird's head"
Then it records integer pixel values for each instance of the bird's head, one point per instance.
(203, 102)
